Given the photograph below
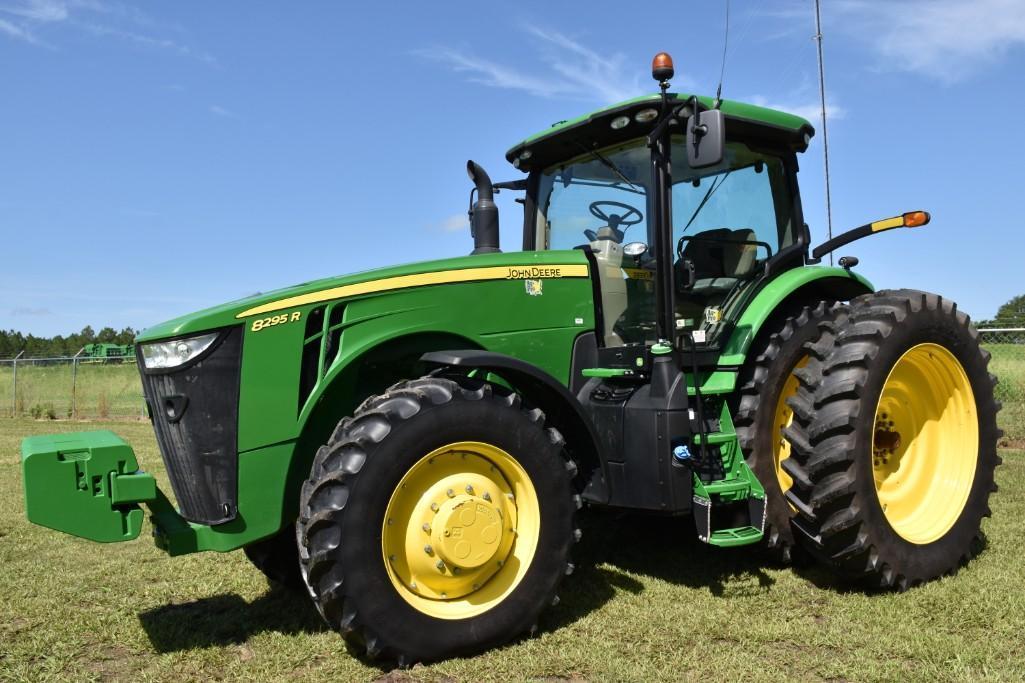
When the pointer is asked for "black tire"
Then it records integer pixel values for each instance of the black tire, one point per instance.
(278, 558)
(841, 519)
(761, 382)
(352, 479)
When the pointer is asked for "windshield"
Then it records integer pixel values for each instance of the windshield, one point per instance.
(727, 220)
(568, 192)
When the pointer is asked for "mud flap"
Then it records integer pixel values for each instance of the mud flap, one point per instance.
(86, 484)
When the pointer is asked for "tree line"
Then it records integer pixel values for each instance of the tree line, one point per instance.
(12, 343)
(1011, 314)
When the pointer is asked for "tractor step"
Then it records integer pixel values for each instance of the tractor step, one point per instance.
(731, 536)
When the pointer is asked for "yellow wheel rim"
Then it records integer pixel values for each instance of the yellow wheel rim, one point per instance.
(460, 530)
(783, 417)
(925, 443)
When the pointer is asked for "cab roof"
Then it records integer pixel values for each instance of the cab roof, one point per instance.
(567, 139)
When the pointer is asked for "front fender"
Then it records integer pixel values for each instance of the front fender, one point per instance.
(561, 407)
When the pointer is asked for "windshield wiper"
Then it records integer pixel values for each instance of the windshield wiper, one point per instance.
(611, 166)
(704, 200)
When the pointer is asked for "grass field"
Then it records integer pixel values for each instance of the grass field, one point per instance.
(647, 602)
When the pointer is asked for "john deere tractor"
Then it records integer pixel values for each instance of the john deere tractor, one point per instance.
(412, 446)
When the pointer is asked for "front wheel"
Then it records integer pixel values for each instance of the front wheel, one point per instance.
(437, 521)
(894, 441)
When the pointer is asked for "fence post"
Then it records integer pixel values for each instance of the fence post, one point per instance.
(14, 383)
(74, 384)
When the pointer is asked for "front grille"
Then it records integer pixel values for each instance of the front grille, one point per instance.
(195, 415)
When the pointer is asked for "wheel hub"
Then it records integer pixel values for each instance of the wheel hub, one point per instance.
(451, 527)
(467, 531)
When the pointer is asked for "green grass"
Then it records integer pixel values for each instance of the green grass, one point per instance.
(647, 602)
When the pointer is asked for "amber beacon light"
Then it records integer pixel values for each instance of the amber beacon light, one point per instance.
(662, 67)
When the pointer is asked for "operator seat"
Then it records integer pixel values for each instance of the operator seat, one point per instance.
(720, 260)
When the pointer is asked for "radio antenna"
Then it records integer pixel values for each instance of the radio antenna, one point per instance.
(722, 68)
(825, 136)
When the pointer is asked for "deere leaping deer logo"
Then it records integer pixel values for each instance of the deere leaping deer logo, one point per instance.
(533, 287)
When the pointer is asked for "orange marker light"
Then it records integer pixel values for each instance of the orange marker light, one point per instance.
(662, 67)
(914, 219)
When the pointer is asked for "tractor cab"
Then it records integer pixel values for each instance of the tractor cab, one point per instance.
(679, 244)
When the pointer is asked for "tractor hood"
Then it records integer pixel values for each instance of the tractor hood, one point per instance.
(367, 283)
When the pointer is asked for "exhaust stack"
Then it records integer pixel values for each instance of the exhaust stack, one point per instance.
(484, 213)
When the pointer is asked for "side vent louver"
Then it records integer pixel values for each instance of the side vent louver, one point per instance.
(321, 345)
(309, 371)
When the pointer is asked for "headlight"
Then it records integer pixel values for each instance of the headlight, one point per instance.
(171, 354)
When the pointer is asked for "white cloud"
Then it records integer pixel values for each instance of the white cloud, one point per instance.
(40, 10)
(19, 32)
(455, 223)
(221, 111)
(945, 39)
(808, 110)
(569, 69)
(26, 311)
(25, 19)
(948, 40)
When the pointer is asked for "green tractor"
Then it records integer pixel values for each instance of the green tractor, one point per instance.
(411, 446)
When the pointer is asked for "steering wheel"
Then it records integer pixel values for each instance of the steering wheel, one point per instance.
(614, 220)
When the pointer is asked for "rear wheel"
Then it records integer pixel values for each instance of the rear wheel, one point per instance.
(894, 442)
(437, 521)
(766, 383)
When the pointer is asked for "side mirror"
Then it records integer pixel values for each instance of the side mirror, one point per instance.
(706, 138)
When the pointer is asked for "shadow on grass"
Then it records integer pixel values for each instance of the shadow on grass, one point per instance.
(614, 546)
(667, 548)
(229, 620)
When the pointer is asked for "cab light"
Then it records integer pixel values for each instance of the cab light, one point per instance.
(620, 122)
(646, 115)
(170, 354)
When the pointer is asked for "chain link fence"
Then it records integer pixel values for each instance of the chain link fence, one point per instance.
(1007, 346)
(109, 388)
(75, 388)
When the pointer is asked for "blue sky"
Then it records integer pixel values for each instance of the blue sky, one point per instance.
(163, 157)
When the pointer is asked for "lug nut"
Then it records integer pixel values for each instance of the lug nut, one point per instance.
(427, 527)
(450, 493)
(428, 549)
(434, 507)
(391, 558)
(440, 565)
(456, 570)
(487, 496)
(469, 489)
